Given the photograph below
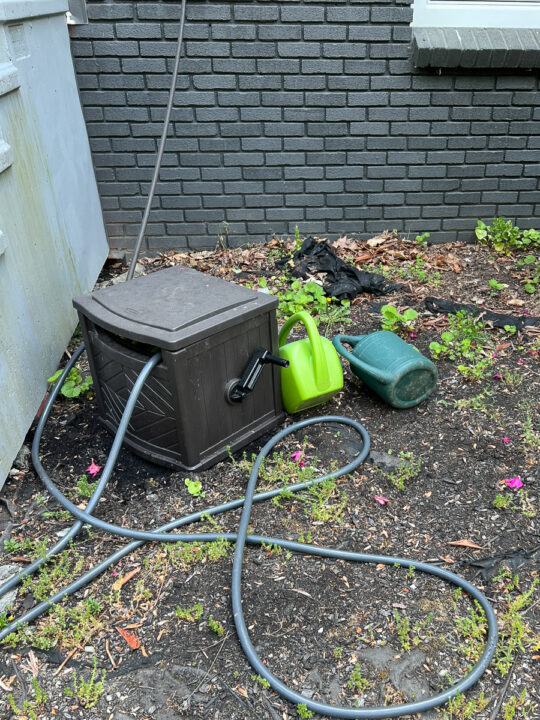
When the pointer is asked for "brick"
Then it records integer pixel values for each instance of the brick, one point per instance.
(407, 185)
(150, 48)
(191, 32)
(410, 128)
(286, 213)
(121, 48)
(368, 98)
(263, 144)
(282, 99)
(386, 198)
(110, 11)
(484, 156)
(243, 158)
(391, 14)
(233, 32)
(298, 49)
(97, 31)
(385, 171)
(369, 33)
(197, 159)
(347, 82)
(278, 65)
(388, 143)
(212, 48)
(258, 82)
(304, 82)
(370, 128)
(327, 99)
(344, 114)
(303, 114)
(234, 66)
(260, 113)
(280, 32)
(256, 12)
(344, 50)
(264, 200)
(334, 67)
(326, 32)
(517, 143)
(223, 201)
(388, 114)
(303, 143)
(212, 11)
(303, 172)
(302, 14)
(243, 187)
(324, 129)
(262, 173)
(222, 144)
(238, 98)
(136, 31)
(282, 128)
(221, 173)
(366, 158)
(323, 213)
(283, 186)
(389, 50)
(216, 114)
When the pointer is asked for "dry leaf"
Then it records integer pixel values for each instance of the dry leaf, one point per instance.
(131, 639)
(377, 241)
(123, 580)
(466, 543)
(447, 559)
(516, 301)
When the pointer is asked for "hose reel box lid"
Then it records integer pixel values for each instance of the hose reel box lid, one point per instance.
(172, 308)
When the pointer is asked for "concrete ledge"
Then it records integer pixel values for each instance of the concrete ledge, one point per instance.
(20, 9)
(475, 47)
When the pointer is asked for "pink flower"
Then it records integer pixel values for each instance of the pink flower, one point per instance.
(514, 483)
(505, 440)
(115, 574)
(526, 312)
(381, 500)
(93, 469)
(494, 355)
(297, 456)
(497, 376)
(520, 362)
(302, 464)
(413, 335)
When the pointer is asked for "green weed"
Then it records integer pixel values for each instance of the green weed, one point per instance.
(397, 322)
(407, 470)
(458, 708)
(85, 489)
(262, 681)
(215, 626)
(87, 692)
(303, 712)
(191, 614)
(194, 487)
(29, 707)
(504, 236)
(357, 683)
(402, 629)
(74, 385)
(519, 704)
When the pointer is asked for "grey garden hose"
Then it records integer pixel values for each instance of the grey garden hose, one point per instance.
(161, 148)
(241, 538)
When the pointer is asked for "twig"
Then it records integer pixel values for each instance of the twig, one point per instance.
(271, 710)
(109, 654)
(207, 673)
(76, 649)
(498, 706)
(241, 700)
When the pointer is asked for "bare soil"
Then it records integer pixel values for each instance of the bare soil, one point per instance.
(318, 624)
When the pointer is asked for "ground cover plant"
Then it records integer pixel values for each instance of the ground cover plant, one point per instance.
(454, 481)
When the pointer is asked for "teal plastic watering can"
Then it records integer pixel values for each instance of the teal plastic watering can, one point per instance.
(395, 370)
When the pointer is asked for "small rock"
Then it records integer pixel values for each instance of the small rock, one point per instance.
(22, 461)
(6, 571)
(386, 461)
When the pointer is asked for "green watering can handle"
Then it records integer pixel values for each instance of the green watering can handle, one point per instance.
(382, 377)
(320, 368)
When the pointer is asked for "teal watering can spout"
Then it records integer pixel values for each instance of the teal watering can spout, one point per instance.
(391, 367)
(380, 375)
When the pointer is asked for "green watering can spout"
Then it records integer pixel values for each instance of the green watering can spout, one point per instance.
(385, 378)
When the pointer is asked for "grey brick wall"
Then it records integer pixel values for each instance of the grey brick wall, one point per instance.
(298, 112)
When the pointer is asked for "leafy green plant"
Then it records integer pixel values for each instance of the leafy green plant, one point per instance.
(394, 321)
(357, 683)
(422, 239)
(191, 614)
(88, 691)
(418, 271)
(215, 626)
(466, 339)
(85, 489)
(402, 628)
(194, 487)
(303, 712)
(311, 297)
(521, 704)
(504, 236)
(74, 385)
(406, 471)
(297, 241)
(262, 681)
(29, 707)
(531, 265)
(495, 286)
(459, 708)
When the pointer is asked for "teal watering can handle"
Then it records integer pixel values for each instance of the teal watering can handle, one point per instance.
(320, 368)
(382, 377)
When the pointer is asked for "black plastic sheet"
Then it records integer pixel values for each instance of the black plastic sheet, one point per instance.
(438, 305)
(343, 281)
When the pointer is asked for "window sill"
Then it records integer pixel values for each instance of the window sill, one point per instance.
(475, 47)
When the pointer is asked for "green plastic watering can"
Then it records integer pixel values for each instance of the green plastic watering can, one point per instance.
(391, 367)
(314, 374)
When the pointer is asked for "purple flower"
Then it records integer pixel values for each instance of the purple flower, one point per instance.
(514, 483)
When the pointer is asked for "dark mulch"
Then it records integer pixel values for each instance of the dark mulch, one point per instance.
(312, 620)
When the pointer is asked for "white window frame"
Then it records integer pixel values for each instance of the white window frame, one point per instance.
(477, 13)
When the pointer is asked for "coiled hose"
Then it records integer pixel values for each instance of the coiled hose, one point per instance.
(163, 534)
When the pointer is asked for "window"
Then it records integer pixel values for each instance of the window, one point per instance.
(476, 33)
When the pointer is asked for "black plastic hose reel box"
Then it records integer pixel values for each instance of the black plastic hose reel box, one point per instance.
(213, 335)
